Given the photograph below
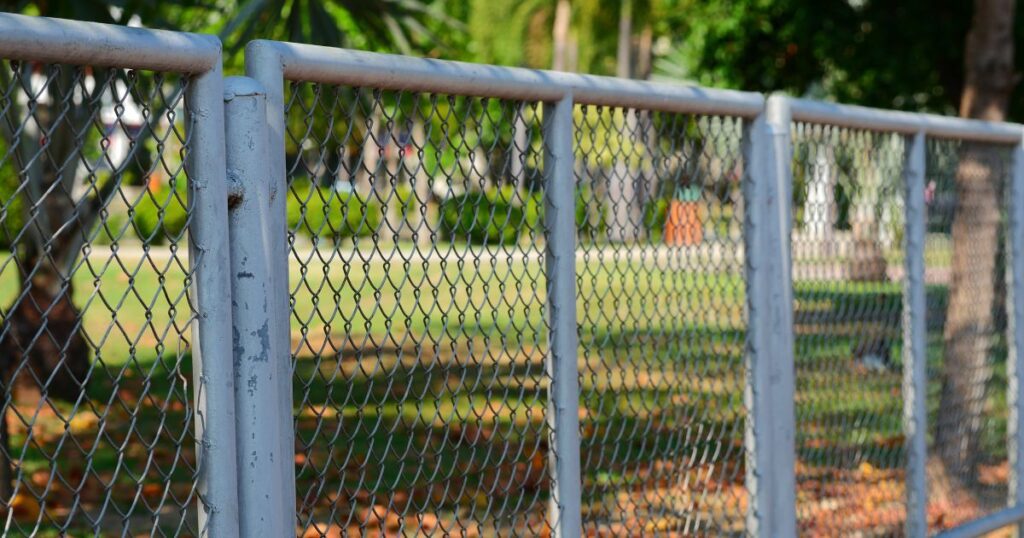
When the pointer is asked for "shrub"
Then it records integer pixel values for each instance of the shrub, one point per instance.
(587, 207)
(113, 228)
(326, 213)
(496, 216)
(161, 215)
(655, 215)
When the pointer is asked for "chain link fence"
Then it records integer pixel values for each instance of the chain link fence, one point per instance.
(661, 320)
(94, 304)
(418, 330)
(965, 264)
(848, 265)
(489, 269)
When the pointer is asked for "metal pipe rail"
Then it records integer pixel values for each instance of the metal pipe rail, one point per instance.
(41, 39)
(391, 72)
(858, 117)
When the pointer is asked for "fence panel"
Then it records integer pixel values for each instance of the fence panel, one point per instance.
(418, 291)
(109, 229)
(488, 270)
(848, 272)
(661, 318)
(965, 264)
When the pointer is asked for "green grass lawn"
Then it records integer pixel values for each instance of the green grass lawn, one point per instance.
(420, 388)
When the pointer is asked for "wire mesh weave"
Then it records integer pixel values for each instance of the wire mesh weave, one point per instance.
(965, 267)
(848, 265)
(417, 289)
(660, 306)
(94, 306)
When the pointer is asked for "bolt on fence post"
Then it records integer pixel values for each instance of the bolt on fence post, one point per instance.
(771, 423)
(263, 63)
(1015, 316)
(915, 352)
(211, 290)
(562, 367)
(262, 467)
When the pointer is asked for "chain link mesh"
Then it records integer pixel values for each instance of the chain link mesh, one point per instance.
(418, 293)
(848, 265)
(661, 312)
(94, 308)
(965, 267)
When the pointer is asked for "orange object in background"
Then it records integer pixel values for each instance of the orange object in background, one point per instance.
(682, 225)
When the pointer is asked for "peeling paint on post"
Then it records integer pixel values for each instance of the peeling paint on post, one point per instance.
(264, 473)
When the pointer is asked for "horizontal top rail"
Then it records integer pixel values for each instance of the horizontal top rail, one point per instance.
(43, 39)
(391, 72)
(858, 117)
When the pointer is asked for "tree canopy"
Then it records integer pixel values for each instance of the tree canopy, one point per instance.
(906, 55)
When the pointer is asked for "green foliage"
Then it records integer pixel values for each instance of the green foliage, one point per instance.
(405, 26)
(326, 213)
(591, 214)
(112, 228)
(406, 199)
(160, 216)
(655, 216)
(12, 205)
(495, 216)
(906, 54)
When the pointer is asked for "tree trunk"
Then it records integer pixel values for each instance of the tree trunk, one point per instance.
(44, 351)
(989, 81)
(624, 205)
(867, 261)
(43, 354)
(560, 35)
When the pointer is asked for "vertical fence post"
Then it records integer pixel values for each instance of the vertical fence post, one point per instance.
(771, 423)
(211, 290)
(560, 259)
(264, 64)
(915, 352)
(1015, 315)
(262, 468)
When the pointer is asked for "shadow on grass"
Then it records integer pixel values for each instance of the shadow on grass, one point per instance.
(120, 461)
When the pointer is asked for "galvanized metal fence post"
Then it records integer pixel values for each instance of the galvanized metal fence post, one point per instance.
(563, 370)
(263, 63)
(915, 352)
(1015, 316)
(263, 469)
(771, 429)
(208, 257)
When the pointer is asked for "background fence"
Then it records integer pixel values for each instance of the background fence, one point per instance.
(517, 302)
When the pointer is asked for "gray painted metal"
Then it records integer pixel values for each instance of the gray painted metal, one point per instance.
(262, 468)
(1015, 326)
(208, 255)
(392, 72)
(771, 423)
(858, 117)
(55, 40)
(987, 524)
(42, 39)
(560, 270)
(915, 352)
(264, 65)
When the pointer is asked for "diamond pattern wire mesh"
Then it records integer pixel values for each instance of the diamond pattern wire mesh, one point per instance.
(848, 265)
(418, 328)
(94, 310)
(967, 349)
(661, 312)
